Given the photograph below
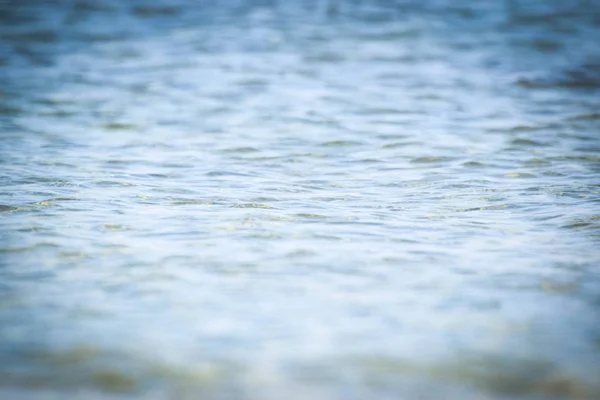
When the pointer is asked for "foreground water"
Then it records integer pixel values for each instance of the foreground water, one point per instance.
(292, 200)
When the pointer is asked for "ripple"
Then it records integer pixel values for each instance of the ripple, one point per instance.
(252, 205)
(8, 209)
(241, 150)
(113, 227)
(431, 160)
(341, 143)
(526, 143)
(116, 126)
(185, 202)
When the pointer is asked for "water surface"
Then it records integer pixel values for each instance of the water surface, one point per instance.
(313, 199)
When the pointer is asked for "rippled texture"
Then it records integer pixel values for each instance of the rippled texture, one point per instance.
(292, 200)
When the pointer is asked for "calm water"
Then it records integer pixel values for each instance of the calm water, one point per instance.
(299, 200)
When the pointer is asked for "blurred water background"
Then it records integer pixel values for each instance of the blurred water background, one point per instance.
(299, 199)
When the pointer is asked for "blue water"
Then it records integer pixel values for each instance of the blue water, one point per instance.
(291, 200)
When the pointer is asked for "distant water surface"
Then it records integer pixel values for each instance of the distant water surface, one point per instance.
(299, 200)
